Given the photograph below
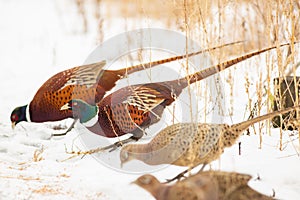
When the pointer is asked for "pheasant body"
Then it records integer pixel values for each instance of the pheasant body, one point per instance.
(131, 108)
(190, 144)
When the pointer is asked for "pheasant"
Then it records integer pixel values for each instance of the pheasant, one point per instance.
(209, 185)
(202, 188)
(190, 144)
(134, 108)
(88, 82)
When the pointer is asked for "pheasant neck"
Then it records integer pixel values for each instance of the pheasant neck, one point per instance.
(27, 112)
(156, 189)
(141, 152)
(90, 116)
(140, 148)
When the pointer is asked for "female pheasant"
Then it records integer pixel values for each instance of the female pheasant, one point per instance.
(190, 144)
(194, 188)
(209, 185)
(89, 83)
(132, 109)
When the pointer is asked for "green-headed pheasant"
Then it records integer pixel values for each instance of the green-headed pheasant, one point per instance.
(209, 185)
(133, 108)
(190, 144)
(87, 82)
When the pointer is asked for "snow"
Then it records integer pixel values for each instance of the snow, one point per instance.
(41, 38)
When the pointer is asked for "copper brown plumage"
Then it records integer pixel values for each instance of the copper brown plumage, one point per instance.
(89, 83)
(190, 144)
(209, 185)
(133, 108)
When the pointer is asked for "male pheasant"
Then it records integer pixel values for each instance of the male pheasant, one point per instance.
(209, 185)
(133, 108)
(190, 144)
(88, 82)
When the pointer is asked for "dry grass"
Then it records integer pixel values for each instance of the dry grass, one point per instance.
(46, 189)
(260, 23)
(37, 155)
(21, 177)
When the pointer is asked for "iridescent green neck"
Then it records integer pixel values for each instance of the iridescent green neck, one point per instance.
(88, 113)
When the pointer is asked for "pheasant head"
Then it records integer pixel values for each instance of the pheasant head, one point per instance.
(19, 114)
(149, 183)
(126, 155)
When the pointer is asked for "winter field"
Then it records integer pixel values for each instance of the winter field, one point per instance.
(41, 38)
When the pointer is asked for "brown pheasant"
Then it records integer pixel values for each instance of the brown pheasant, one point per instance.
(190, 144)
(88, 82)
(132, 109)
(209, 185)
(202, 188)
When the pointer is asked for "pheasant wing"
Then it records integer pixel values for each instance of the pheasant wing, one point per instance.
(86, 75)
(210, 135)
(144, 98)
(131, 106)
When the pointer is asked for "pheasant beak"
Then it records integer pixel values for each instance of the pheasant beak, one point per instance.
(65, 107)
(13, 125)
(134, 182)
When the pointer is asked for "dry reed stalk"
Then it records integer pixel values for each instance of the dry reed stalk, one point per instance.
(187, 33)
(280, 66)
(263, 24)
(100, 20)
(81, 11)
(230, 82)
(259, 106)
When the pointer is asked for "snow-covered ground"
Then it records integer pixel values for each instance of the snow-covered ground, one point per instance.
(40, 38)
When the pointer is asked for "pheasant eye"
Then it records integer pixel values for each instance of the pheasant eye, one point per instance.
(125, 155)
(146, 180)
(74, 104)
(14, 118)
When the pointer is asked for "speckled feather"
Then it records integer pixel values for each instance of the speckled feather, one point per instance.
(232, 185)
(118, 115)
(190, 144)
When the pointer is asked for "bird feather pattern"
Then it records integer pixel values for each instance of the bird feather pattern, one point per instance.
(87, 75)
(144, 99)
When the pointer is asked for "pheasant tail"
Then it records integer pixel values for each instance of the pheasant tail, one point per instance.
(143, 66)
(244, 125)
(220, 67)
